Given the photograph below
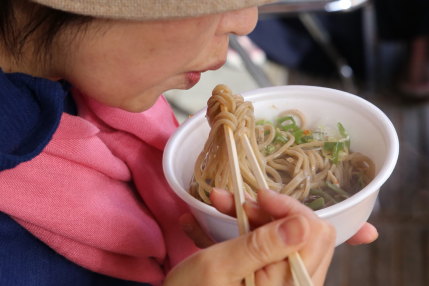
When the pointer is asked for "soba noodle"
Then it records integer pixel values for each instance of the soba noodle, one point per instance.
(316, 168)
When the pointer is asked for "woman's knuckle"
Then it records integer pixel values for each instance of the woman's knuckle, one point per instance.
(259, 246)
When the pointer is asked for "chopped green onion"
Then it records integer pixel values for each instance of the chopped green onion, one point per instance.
(321, 193)
(316, 204)
(263, 122)
(298, 134)
(332, 150)
(279, 138)
(288, 127)
(338, 190)
(306, 138)
(269, 149)
(344, 134)
(342, 130)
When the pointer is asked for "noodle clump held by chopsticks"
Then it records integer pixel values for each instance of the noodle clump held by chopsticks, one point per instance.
(316, 168)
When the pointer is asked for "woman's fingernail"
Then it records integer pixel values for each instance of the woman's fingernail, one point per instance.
(270, 192)
(221, 192)
(185, 225)
(293, 230)
(251, 204)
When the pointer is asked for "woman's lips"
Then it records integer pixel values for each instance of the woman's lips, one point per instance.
(193, 78)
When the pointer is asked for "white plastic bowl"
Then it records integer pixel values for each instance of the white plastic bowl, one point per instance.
(371, 133)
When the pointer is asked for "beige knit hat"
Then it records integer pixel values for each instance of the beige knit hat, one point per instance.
(148, 9)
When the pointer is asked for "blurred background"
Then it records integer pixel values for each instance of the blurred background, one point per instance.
(376, 49)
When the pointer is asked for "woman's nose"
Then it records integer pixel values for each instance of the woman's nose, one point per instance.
(240, 22)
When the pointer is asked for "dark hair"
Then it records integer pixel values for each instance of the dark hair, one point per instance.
(44, 21)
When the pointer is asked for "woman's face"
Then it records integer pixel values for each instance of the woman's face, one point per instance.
(129, 64)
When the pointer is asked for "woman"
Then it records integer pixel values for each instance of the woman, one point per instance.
(84, 200)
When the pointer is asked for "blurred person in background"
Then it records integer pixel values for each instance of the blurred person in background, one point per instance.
(407, 22)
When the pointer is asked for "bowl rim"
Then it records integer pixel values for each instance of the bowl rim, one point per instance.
(384, 173)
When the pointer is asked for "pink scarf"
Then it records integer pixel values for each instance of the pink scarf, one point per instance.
(97, 194)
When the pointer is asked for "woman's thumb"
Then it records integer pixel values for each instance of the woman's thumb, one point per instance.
(270, 243)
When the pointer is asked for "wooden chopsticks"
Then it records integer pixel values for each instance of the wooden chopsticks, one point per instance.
(299, 272)
(243, 222)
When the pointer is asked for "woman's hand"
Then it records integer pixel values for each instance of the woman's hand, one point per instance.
(366, 234)
(264, 251)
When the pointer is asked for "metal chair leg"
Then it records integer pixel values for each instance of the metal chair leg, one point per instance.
(320, 35)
